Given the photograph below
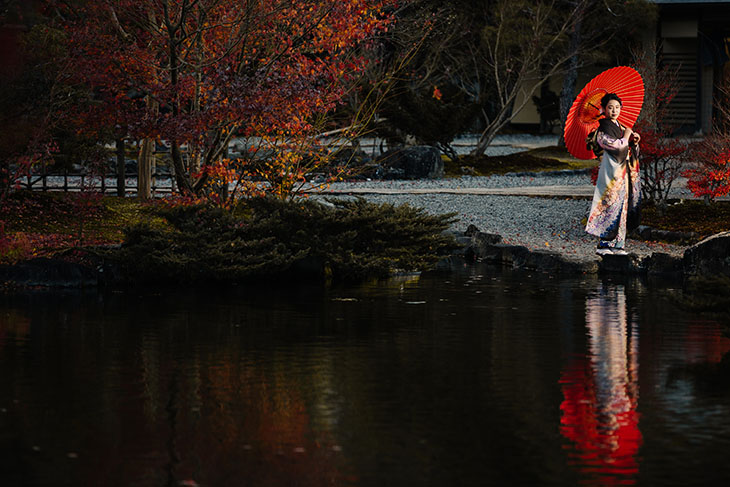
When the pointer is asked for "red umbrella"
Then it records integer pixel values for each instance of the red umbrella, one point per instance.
(583, 117)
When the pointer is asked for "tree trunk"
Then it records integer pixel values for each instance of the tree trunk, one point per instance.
(567, 93)
(487, 136)
(120, 167)
(544, 93)
(181, 173)
(5, 183)
(144, 169)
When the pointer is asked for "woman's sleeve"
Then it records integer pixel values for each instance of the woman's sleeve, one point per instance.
(611, 143)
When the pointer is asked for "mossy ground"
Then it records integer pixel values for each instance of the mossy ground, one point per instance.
(34, 224)
(535, 160)
(689, 216)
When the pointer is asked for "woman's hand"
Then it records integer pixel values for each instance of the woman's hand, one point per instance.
(635, 138)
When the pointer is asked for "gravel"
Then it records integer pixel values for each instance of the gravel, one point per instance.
(515, 180)
(537, 223)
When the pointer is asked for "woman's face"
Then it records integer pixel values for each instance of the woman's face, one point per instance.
(613, 109)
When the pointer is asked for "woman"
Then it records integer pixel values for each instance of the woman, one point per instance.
(616, 199)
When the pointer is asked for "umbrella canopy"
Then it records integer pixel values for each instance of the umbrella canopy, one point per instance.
(585, 112)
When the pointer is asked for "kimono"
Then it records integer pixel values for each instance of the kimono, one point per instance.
(615, 208)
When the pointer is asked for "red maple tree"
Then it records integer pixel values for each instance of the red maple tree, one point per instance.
(196, 73)
(709, 175)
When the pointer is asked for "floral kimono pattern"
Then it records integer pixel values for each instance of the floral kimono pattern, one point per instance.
(615, 207)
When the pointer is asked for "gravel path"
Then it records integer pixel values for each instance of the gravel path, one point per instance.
(535, 222)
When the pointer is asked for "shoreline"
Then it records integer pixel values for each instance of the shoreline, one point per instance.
(474, 246)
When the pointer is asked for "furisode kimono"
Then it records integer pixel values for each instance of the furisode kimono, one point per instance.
(615, 207)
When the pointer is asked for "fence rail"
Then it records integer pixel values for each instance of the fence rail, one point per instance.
(75, 181)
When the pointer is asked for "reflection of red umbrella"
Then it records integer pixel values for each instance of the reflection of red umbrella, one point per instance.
(586, 110)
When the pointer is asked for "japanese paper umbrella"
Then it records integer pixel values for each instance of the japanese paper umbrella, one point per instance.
(585, 112)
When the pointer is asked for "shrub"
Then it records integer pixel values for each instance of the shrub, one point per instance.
(709, 177)
(661, 164)
(267, 236)
(14, 248)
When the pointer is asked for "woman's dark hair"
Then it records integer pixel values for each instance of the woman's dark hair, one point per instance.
(608, 97)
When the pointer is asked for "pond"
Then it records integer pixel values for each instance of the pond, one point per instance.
(479, 377)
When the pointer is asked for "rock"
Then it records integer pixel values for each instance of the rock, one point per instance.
(418, 162)
(488, 247)
(514, 255)
(662, 264)
(643, 232)
(710, 257)
(544, 260)
(45, 272)
(620, 264)
(480, 244)
(450, 263)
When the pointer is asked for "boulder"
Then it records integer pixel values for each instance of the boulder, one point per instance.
(544, 260)
(709, 257)
(513, 255)
(418, 162)
(662, 264)
(480, 243)
(620, 264)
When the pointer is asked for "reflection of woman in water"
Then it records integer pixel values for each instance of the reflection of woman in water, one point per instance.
(618, 189)
(599, 409)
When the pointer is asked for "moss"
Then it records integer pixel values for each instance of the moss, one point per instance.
(689, 216)
(534, 160)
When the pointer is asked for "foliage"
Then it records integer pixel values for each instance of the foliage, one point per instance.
(661, 164)
(432, 116)
(427, 102)
(33, 93)
(267, 236)
(48, 223)
(13, 248)
(662, 158)
(709, 175)
(199, 72)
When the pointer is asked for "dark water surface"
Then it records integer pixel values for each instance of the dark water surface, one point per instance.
(487, 377)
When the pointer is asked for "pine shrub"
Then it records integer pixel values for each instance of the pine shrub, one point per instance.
(266, 237)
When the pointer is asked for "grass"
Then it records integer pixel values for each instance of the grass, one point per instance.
(43, 224)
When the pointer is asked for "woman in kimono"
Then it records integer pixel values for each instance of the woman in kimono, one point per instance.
(617, 196)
